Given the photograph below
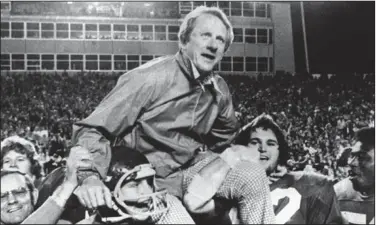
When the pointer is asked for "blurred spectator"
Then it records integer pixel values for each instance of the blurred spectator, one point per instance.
(56, 161)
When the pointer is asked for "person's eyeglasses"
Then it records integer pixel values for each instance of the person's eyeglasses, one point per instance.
(18, 193)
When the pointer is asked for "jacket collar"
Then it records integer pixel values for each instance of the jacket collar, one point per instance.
(189, 68)
(192, 74)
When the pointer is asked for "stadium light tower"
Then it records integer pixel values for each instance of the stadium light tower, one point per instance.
(304, 35)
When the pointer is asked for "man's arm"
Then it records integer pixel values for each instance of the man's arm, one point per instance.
(114, 116)
(203, 187)
(99, 148)
(51, 210)
(117, 113)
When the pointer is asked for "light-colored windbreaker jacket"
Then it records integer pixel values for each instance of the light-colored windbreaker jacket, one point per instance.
(161, 110)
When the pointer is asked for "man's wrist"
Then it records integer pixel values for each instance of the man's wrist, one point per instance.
(63, 193)
(67, 184)
(85, 176)
(93, 176)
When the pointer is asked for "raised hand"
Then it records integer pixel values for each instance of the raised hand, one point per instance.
(92, 192)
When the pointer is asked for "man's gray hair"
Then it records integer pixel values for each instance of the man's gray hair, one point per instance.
(189, 23)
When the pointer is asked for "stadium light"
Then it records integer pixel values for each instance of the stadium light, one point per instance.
(147, 4)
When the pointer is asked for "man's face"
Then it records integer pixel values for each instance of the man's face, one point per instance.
(264, 143)
(133, 191)
(16, 202)
(362, 163)
(17, 161)
(207, 42)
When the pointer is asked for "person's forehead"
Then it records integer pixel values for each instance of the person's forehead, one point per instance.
(202, 21)
(131, 184)
(263, 133)
(12, 182)
(12, 154)
(206, 15)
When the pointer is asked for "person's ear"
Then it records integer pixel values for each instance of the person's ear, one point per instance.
(183, 46)
(35, 195)
(183, 43)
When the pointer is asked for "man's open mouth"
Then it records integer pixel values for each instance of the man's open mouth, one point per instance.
(263, 157)
(208, 56)
(142, 203)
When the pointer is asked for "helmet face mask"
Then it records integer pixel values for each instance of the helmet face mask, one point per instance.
(128, 203)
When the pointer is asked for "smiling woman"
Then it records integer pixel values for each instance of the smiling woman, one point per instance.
(19, 154)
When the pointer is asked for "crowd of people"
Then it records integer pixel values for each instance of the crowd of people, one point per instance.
(43, 107)
(319, 116)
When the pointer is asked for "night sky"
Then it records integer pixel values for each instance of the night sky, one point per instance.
(340, 36)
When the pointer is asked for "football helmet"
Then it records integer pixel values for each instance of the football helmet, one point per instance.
(123, 171)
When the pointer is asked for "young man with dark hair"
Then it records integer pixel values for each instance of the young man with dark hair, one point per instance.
(297, 197)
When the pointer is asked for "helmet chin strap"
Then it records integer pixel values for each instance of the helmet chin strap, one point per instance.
(158, 203)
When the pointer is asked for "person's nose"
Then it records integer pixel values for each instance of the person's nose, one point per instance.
(262, 148)
(144, 188)
(212, 45)
(11, 198)
(13, 164)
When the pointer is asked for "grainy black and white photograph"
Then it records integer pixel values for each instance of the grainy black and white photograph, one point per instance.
(187, 112)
